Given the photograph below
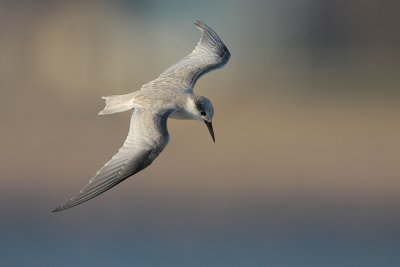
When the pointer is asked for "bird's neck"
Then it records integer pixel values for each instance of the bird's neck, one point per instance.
(188, 111)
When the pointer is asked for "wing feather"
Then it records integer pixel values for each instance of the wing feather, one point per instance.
(209, 54)
(148, 136)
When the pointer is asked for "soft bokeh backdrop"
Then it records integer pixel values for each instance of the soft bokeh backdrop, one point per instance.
(305, 170)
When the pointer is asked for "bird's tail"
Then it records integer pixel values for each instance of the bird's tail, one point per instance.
(117, 103)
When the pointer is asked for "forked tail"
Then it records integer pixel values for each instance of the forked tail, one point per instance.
(117, 103)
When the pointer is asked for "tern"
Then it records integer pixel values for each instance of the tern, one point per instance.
(168, 96)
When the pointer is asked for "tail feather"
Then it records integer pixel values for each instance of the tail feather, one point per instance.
(117, 103)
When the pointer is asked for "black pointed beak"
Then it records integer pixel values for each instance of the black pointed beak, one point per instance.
(210, 129)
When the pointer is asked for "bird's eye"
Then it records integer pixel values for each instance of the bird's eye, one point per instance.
(203, 113)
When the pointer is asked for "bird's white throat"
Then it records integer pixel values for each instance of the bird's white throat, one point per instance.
(187, 112)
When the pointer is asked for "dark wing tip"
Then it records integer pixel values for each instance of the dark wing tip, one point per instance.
(60, 208)
(203, 27)
(56, 209)
(200, 24)
(211, 39)
(68, 204)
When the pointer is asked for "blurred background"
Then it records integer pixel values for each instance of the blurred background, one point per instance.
(305, 170)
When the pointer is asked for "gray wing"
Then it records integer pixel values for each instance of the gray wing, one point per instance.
(148, 136)
(209, 54)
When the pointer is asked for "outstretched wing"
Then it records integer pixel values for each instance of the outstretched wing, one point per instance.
(209, 54)
(148, 136)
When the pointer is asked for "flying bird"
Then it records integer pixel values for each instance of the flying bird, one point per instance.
(168, 96)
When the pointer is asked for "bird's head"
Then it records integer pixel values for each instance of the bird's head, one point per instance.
(205, 112)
